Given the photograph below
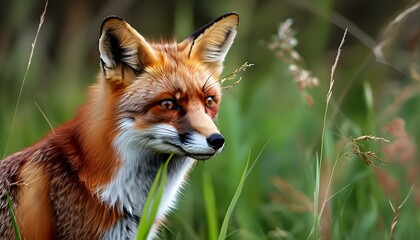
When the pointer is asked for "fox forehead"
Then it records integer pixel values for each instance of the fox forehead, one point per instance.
(175, 69)
(174, 75)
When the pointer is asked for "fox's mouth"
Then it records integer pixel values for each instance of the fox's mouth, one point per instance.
(179, 150)
(201, 156)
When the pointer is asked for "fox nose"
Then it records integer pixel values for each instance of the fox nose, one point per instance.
(216, 141)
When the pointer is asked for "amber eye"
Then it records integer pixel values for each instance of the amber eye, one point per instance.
(167, 104)
(209, 102)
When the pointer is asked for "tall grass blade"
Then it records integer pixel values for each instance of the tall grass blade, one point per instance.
(223, 229)
(211, 210)
(316, 200)
(12, 216)
(245, 174)
(152, 202)
(266, 142)
(338, 192)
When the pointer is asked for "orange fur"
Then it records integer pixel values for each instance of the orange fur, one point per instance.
(34, 208)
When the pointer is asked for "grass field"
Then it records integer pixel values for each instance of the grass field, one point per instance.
(321, 171)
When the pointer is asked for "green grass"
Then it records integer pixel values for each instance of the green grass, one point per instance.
(229, 212)
(153, 199)
(211, 208)
(367, 96)
(13, 218)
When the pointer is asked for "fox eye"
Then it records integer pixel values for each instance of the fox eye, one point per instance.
(167, 104)
(209, 102)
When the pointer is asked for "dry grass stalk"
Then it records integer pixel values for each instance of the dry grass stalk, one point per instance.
(303, 77)
(396, 210)
(372, 138)
(283, 44)
(232, 76)
(334, 66)
(45, 117)
(41, 22)
(368, 157)
(320, 219)
(377, 51)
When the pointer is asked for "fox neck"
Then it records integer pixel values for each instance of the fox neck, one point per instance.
(130, 186)
(87, 140)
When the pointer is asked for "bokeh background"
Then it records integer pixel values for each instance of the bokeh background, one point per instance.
(372, 95)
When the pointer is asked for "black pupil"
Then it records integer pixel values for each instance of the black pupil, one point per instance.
(209, 101)
(167, 104)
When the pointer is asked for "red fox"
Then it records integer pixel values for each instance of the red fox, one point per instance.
(89, 178)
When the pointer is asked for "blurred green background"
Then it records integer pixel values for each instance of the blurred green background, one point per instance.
(266, 107)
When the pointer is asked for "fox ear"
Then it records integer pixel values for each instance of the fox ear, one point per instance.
(123, 51)
(211, 42)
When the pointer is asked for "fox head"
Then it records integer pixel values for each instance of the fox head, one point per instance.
(166, 94)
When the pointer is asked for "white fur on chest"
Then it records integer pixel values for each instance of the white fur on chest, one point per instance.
(129, 188)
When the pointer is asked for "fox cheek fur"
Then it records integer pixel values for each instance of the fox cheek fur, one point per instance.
(90, 178)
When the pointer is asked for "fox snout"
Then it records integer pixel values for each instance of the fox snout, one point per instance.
(205, 139)
(216, 141)
(215, 144)
(197, 145)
